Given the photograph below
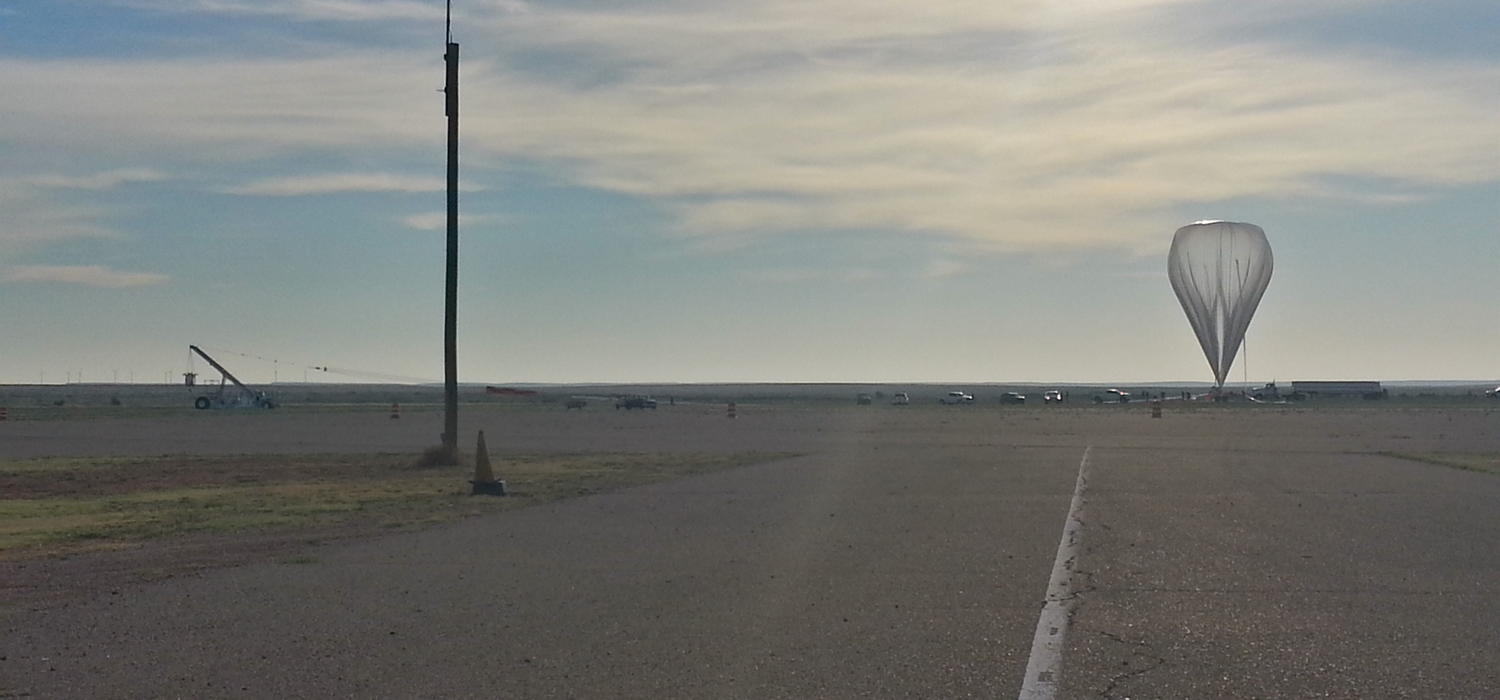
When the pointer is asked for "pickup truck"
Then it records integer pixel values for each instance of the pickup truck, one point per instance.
(956, 398)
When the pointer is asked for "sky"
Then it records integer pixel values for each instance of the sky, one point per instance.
(699, 191)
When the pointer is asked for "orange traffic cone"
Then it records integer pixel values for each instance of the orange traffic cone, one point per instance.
(484, 477)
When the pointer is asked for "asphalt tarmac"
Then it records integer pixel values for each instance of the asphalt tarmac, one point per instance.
(905, 553)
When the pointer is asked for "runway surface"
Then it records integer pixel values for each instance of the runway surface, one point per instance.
(903, 554)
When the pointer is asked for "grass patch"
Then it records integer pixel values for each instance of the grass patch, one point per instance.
(438, 456)
(1484, 463)
(55, 506)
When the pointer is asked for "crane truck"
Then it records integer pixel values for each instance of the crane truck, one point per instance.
(245, 397)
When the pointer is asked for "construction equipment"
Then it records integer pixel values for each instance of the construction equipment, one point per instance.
(244, 398)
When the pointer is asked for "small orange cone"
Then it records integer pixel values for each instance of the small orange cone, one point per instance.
(484, 477)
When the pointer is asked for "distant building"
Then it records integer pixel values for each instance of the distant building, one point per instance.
(1368, 390)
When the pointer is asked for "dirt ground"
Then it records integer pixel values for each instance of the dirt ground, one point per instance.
(75, 526)
(164, 446)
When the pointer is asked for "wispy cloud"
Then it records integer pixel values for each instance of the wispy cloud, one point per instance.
(215, 110)
(106, 180)
(944, 267)
(940, 268)
(798, 274)
(307, 10)
(331, 183)
(436, 220)
(1008, 126)
(40, 209)
(86, 275)
(1005, 126)
(36, 225)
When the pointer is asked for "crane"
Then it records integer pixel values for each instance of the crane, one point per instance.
(245, 397)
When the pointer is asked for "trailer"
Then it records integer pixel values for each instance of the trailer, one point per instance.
(245, 397)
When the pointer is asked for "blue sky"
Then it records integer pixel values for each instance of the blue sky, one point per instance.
(774, 191)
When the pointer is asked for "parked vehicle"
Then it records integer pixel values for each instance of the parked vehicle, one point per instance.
(1012, 397)
(1112, 396)
(900, 399)
(1053, 396)
(630, 402)
(955, 398)
(864, 399)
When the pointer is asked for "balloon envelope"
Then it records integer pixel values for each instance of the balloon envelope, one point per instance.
(1219, 270)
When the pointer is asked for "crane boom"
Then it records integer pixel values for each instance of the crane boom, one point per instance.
(217, 366)
(256, 398)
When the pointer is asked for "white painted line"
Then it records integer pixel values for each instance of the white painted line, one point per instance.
(1044, 668)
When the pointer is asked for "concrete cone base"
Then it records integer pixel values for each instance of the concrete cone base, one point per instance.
(488, 488)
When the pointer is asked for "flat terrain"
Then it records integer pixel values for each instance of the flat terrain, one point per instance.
(1340, 550)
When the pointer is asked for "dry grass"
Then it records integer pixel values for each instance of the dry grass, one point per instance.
(57, 506)
(1485, 463)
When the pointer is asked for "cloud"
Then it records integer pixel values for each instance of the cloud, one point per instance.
(938, 268)
(27, 227)
(106, 180)
(943, 267)
(40, 209)
(1006, 126)
(304, 10)
(334, 183)
(799, 274)
(1015, 126)
(219, 110)
(438, 220)
(86, 275)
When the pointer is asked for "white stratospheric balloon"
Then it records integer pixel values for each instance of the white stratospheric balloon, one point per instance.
(1219, 270)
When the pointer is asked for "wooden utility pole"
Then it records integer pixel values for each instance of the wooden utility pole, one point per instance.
(450, 317)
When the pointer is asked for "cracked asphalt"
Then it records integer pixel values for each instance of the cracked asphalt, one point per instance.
(905, 553)
(1263, 569)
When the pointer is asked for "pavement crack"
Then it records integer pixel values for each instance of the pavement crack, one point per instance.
(1084, 580)
(1138, 649)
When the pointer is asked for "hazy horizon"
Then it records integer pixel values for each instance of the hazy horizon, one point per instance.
(1449, 383)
